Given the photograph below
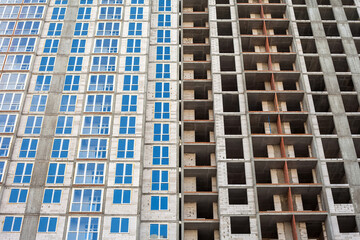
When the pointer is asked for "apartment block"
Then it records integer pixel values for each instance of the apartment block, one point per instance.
(180, 119)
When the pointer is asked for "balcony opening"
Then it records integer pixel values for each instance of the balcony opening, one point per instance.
(231, 103)
(232, 125)
(224, 29)
(227, 63)
(204, 210)
(229, 83)
(326, 125)
(331, 148)
(345, 83)
(321, 103)
(351, 103)
(347, 224)
(226, 45)
(317, 83)
(236, 173)
(240, 225)
(341, 195)
(234, 148)
(237, 196)
(336, 173)
(223, 13)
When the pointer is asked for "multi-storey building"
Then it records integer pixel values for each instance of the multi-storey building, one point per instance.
(179, 119)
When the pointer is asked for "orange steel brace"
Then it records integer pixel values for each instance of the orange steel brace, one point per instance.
(293, 226)
(286, 173)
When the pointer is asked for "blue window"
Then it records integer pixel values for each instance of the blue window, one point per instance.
(135, 29)
(86, 2)
(106, 45)
(2, 169)
(101, 83)
(163, 36)
(47, 224)
(84, 13)
(17, 62)
(52, 196)
(161, 132)
(110, 13)
(98, 103)
(121, 196)
(58, 13)
(27, 28)
(71, 83)
(28, 148)
(158, 231)
(96, 125)
(162, 70)
(136, 13)
(13, 81)
(23, 172)
(159, 203)
(64, 125)
(132, 64)
(137, 1)
(133, 46)
(4, 44)
(10, 101)
(56, 173)
(7, 123)
(83, 228)
(34, 1)
(164, 20)
(89, 173)
(55, 29)
(165, 5)
(43, 83)
(75, 64)
(51, 46)
(93, 148)
(4, 146)
(160, 155)
(125, 148)
(162, 110)
(103, 64)
(111, 1)
(127, 125)
(68, 103)
(60, 148)
(129, 103)
(162, 53)
(38, 103)
(33, 125)
(78, 46)
(18, 195)
(162, 90)
(108, 29)
(81, 29)
(123, 173)
(7, 27)
(119, 225)
(9, 12)
(160, 180)
(86, 200)
(131, 83)
(12, 224)
(47, 64)
(63, 2)
(23, 44)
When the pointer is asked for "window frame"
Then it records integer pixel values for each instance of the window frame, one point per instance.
(23, 172)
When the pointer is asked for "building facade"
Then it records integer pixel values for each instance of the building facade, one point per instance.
(168, 119)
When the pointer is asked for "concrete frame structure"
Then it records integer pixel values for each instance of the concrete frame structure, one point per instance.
(191, 119)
